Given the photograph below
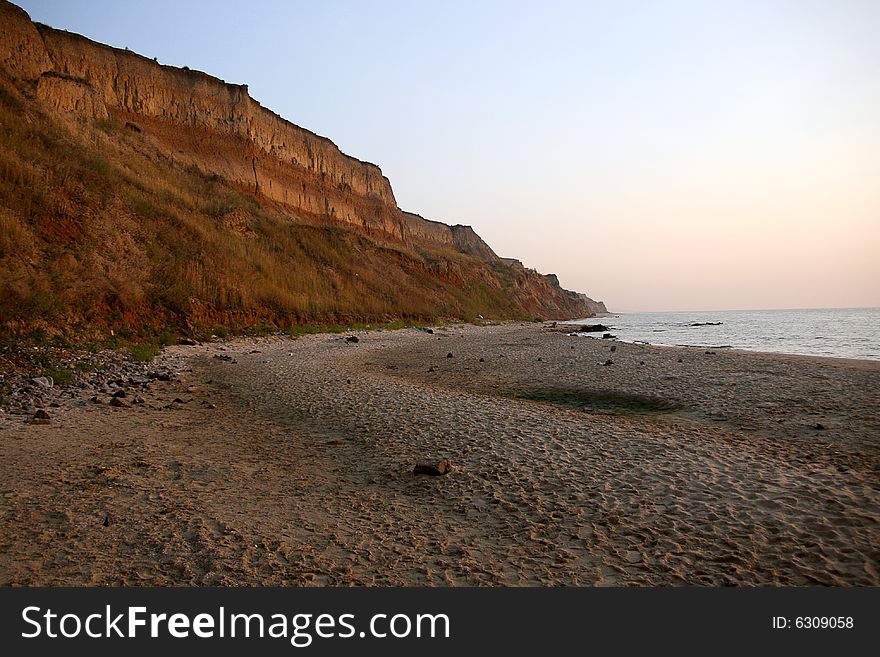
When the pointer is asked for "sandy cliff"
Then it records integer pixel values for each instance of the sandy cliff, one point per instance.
(196, 119)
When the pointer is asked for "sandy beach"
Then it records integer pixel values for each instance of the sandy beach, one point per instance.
(289, 462)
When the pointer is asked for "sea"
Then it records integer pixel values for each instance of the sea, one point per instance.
(837, 332)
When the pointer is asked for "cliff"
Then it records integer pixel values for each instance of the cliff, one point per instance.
(192, 121)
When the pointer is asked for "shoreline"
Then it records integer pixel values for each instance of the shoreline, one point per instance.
(871, 363)
(273, 461)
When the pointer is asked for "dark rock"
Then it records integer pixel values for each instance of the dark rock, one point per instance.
(706, 324)
(41, 415)
(431, 369)
(222, 357)
(118, 403)
(138, 400)
(54, 405)
(613, 348)
(449, 355)
(165, 376)
(427, 330)
(178, 400)
(641, 362)
(539, 360)
(212, 406)
(483, 360)
(608, 336)
(352, 339)
(433, 469)
(106, 522)
(189, 342)
(592, 328)
(119, 393)
(97, 399)
(818, 425)
(348, 381)
(608, 362)
(712, 353)
(680, 360)
(255, 351)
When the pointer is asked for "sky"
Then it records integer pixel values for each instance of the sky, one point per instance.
(669, 155)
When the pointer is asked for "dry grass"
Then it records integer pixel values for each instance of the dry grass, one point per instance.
(98, 233)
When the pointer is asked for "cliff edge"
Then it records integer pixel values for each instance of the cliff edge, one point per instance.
(189, 121)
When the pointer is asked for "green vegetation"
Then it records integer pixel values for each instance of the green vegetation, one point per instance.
(60, 375)
(309, 329)
(144, 353)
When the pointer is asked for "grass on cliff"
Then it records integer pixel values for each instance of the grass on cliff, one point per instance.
(99, 231)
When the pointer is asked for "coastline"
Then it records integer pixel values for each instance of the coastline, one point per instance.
(867, 363)
(289, 462)
(825, 332)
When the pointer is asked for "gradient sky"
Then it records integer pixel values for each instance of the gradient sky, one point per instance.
(657, 155)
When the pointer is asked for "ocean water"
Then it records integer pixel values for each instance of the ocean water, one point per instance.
(839, 332)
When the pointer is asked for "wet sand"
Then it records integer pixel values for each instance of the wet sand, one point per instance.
(291, 464)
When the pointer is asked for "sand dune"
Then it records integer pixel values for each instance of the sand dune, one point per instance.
(708, 471)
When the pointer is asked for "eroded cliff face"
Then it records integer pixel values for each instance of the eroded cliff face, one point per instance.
(199, 120)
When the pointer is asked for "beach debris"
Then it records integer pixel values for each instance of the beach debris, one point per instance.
(607, 362)
(592, 328)
(212, 406)
(427, 330)
(711, 353)
(43, 381)
(553, 325)
(178, 400)
(449, 355)
(613, 348)
(221, 357)
(118, 403)
(352, 339)
(431, 369)
(608, 336)
(433, 469)
(255, 351)
(705, 324)
(189, 342)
